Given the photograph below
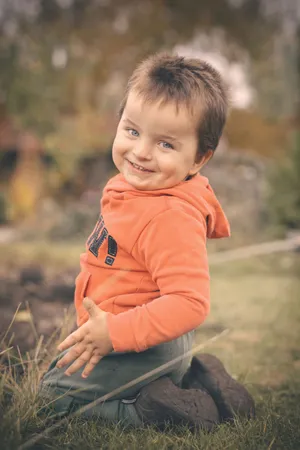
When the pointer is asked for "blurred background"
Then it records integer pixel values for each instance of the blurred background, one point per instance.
(64, 66)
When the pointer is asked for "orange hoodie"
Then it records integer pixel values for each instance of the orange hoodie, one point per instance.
(146, 261)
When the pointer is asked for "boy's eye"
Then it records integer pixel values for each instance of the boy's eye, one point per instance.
(165, 145)
(133, 132)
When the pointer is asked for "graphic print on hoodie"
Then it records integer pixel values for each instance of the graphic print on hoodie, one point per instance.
(146, 261)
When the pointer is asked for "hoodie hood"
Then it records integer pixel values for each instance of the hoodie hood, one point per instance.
(196, 192)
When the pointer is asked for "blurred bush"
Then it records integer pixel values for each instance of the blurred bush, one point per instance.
(284, 190)
(249, 130)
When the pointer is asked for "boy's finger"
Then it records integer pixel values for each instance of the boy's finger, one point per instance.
(81, 361)
(74, 353)
(71, 340)
(91, 307)
(91, 365)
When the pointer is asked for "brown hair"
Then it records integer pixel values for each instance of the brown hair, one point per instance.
(188, 81)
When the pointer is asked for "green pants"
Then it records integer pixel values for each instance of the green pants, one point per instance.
(112, 372)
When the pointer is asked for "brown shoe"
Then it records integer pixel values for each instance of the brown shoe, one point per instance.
(207, 371)
(162, 401)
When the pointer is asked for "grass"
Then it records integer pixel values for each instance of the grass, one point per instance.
(258, 301)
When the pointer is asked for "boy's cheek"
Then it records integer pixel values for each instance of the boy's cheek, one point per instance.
(120, 147)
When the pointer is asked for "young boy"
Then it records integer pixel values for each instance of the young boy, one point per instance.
(144, 281)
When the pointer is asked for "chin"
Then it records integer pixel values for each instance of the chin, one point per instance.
(139, 186)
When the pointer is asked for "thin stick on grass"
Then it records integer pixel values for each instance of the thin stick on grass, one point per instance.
(32, 325)
(11, 323)
(271, 443)
(38, 348)
(21, 358)
(264, 248)
(6, 350)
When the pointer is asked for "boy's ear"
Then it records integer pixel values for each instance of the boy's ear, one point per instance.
(199, 164)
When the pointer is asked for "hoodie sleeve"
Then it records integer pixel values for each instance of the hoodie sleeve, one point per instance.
(172, 247)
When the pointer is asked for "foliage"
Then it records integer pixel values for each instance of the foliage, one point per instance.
(284, 189)
(57, 55)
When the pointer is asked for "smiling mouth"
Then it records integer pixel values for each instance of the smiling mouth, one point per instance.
(141, 168)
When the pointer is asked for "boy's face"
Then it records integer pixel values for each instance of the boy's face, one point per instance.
(155, 145)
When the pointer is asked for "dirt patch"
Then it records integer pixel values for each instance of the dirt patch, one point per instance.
(38, 303)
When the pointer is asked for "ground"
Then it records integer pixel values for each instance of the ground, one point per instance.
(256, 301)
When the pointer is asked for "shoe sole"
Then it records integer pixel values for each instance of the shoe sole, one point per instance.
(230, 396)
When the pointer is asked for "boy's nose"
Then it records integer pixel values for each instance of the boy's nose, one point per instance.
(142, 152)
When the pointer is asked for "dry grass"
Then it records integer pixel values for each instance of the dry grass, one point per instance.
(258, 300)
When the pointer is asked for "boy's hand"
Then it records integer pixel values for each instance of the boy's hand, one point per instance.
(89, 343)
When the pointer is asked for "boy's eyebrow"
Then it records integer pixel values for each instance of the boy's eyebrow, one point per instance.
(168, 137)
(130, 122)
